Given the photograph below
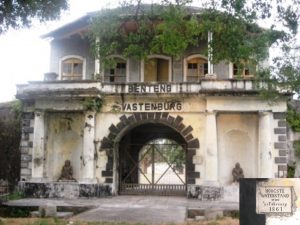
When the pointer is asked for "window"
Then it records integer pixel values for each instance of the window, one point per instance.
(245, 71)
(157, 69)
(72, 69)
(116, 73)
(197, 67)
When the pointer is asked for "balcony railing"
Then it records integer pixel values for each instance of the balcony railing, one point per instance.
(86, 88)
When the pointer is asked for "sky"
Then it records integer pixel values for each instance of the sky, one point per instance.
(24, 55)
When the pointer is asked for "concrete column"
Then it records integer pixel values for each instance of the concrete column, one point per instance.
(88, 161)
(265, 167)
(210, 54)
(211, 157)
(38, 152)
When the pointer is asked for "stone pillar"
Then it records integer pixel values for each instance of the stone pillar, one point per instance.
(38, 152)
(88, 161)
(211, 157)
(265, 167)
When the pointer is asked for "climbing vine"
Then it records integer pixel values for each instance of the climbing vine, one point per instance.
(139, 30)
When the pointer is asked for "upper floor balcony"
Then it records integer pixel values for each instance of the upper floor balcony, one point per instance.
(92, 88)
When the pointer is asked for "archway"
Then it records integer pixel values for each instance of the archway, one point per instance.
(152, 160)
(157, 126)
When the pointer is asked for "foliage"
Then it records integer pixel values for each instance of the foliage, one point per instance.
(135, 30)
(293, 119)
(291, 171)
(93, 104)
(15, 195)
(17, 14)
(53, 221)
(10, 135)
(296, 146)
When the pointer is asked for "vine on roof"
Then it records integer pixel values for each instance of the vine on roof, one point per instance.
(138, 30)
(135, 30)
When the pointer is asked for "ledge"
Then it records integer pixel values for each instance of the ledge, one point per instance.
(89, 88)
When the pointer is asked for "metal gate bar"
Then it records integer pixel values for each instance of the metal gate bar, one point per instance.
(154, 189)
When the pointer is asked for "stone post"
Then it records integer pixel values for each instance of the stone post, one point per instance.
(211, 158)
(88, 161)
(265, 165)
(38, 152)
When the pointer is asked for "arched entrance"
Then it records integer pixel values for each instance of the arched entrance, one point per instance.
(152, 160)
(136, 131)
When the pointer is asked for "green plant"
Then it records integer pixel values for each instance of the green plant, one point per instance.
(213, 223)
(171, 29)
(296, 146)
(293, 119)
(93, 104)
(291, 170)
(15, 195)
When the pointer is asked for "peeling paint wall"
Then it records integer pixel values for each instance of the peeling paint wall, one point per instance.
(65, 142)
(237, 142)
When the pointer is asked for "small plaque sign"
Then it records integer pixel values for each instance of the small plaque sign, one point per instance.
(274, 200)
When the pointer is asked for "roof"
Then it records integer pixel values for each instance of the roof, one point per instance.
(81, 24)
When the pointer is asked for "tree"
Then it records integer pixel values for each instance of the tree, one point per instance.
(20, 13)
(171, 27)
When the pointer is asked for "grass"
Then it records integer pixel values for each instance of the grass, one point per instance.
(54, 221)
(15, 195)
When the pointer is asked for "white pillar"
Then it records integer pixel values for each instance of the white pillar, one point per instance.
(210, 54)
(97, 62)
(38, 153)
(88, 160)
(211, 157)
(265, 167)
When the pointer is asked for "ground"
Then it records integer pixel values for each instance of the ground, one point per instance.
(35, 221)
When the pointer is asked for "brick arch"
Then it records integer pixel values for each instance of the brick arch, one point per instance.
(116, 132)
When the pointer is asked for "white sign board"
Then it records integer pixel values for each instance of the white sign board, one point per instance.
(274, 200)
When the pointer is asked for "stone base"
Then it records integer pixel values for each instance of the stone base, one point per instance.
(205, 193)
(231, 193)
(67, 190)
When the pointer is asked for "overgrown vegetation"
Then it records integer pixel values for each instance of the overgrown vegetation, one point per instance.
(10, 135)
(296, 146)
(93, 104)
(291, 170)
(15, 195)
(293, 119)
(17, 14)
(136, 30)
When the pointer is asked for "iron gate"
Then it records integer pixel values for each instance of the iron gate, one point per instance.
(153, 169)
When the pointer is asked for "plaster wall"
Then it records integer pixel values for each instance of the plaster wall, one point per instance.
(135, 70)
(71, 46)
(237, 142)
(222, 70)
(65, 142)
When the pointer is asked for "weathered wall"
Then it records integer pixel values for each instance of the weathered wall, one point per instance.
(64, 142)
(72, 46)
(237, 142)
(81, 47)
(135, 70)
(222, 70)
